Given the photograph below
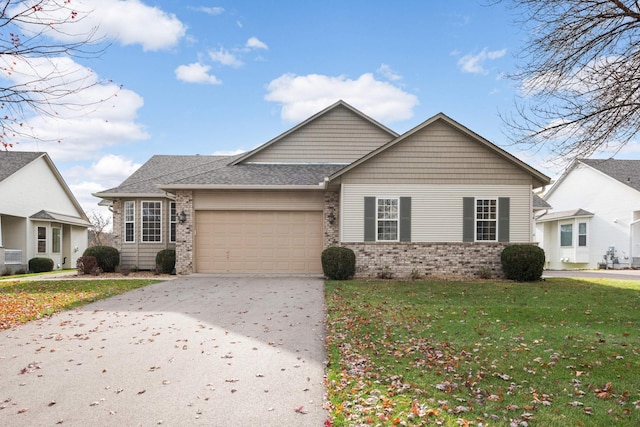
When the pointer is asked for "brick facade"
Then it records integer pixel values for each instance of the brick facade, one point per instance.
(449, 260)
(117, 224)
(331, 216)
(184, 232)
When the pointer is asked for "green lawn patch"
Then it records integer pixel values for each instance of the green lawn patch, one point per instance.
(22, 301)
(552, 353)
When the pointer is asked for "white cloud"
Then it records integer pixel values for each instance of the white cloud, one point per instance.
(108, 172)
(475, 64)
(196, 73)
(385, 71)
(210, 10)
(126, 21)
(225, 57)
(303, 96)
(255, 43)
(91, 115)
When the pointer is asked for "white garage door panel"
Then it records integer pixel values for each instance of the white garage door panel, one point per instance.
(258, 242)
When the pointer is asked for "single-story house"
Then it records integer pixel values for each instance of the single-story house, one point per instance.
(39, 215)
(595, 221)
(438, 199)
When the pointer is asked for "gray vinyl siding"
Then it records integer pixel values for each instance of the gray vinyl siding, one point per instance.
(436, 210)
(259, 200)
(142, 254)
(438, 154)
(340, 136)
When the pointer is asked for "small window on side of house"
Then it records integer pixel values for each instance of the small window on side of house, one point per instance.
(172, 222)
(566, 235)
(42, 240)
(582, 234)
(56, 240)
(129, 222)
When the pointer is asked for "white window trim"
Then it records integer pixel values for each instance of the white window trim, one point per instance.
(45, 240)
(173, 221)
(560, 224)
(125, 222)
(142, 203)
(586, 234)
(475, 218)
(397, 199)
(53, 240)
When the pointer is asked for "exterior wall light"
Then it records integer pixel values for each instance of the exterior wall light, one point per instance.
(182, 217)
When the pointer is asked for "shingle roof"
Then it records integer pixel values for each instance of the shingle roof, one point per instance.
(12, 161)
(624, 171)
(564, 215)
(68, 219)
(166, 169)
(263, 174)
(540, 203)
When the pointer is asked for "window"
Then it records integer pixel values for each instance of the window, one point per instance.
(582, 234)
(56, 236)
(129, 222)
(172, 222)
(152, 221)
(42, 239)
(486, 219)
(387, 219)
(566, 235)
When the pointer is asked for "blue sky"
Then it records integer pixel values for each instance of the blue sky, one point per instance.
(199, 77)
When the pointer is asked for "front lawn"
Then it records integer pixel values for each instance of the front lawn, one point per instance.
(21, 301)
(561, 352)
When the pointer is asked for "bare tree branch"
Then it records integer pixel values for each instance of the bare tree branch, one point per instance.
(579, 76)
(38, 74)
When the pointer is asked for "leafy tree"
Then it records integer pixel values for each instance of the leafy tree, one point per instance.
(38, 41)
(580, 75)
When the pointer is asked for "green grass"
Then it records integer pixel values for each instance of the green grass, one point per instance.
(562, 352)
(22, 301)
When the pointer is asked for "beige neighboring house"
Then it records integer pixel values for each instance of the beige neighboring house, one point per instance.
(436, 200)
(39, 216)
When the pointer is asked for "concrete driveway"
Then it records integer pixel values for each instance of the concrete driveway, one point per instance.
(198, 350)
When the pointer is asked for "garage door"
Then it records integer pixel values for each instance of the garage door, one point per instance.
(258, 242)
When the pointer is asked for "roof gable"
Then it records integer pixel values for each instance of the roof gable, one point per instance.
(626, 172)
(339, 134)
(12, 161)
(438, 146)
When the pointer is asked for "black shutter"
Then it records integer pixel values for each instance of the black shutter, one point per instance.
(468, 219)
(369, 219)
(503, 219)
(405, 219)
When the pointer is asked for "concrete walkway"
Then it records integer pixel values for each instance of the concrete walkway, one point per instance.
(198, 350)
(605, 274)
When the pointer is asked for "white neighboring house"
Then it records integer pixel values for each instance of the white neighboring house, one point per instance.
(39, 216)
(595, 220)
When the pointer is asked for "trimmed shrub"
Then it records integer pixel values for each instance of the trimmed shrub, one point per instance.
(522, 263)
(40, 265)
(338, 263)
(166, 261)
(86, 264)
(108, 258)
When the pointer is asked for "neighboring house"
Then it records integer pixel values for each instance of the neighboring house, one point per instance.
(595, 220)
(39, 216)
(438, 199)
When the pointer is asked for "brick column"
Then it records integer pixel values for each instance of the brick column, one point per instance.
(331, 207)
(184, 232)
(117, 224)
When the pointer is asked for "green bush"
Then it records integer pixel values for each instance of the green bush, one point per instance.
(86, 264)
(338, 263)
(523, 263)
(108, 258)
(40, 265)
(166, 261)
